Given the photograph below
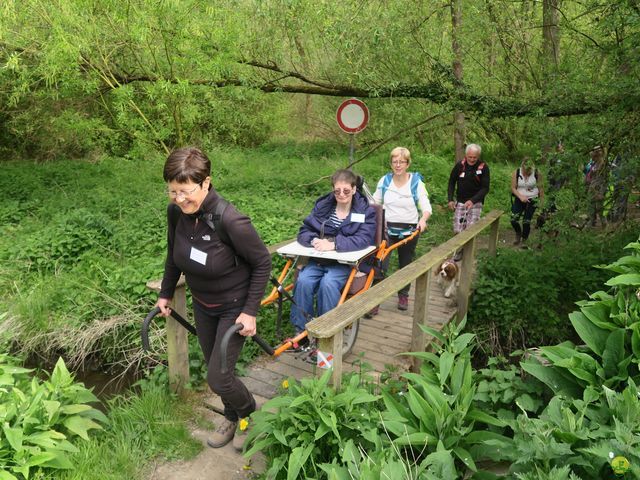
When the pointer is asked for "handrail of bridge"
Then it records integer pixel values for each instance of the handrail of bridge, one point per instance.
(328, 328)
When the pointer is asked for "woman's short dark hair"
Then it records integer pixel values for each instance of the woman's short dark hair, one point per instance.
(186, 164)
(346, 176)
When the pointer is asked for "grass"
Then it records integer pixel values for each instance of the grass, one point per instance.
(143, 430)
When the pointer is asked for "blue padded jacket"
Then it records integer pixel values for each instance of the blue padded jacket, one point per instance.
(352, 235)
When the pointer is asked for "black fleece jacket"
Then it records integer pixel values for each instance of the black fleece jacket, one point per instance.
(227, 274)
(472, 182)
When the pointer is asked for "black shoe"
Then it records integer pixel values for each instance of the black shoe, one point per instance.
(458, 256)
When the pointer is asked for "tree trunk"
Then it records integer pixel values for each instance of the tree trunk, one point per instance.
(458, 117)
(550, 33)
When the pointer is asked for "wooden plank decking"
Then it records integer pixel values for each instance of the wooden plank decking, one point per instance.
(380, 339)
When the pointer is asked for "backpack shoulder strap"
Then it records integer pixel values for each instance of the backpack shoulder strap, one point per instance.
(214, 220)
(385, 184)
(173, 214)
(416, 178)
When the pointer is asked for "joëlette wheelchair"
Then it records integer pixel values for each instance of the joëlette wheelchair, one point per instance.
(358, 282)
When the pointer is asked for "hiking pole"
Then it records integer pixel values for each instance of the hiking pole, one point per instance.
(144, 333)
(224, 344)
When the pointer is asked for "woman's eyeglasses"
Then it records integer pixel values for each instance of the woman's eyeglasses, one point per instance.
(344, 191)
(398, 162)
(183, 193)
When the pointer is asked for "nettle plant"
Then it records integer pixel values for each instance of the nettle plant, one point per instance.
(39, 420)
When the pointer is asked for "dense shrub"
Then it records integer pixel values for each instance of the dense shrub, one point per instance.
(521, 298)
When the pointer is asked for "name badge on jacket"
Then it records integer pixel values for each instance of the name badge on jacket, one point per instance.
(357, 217)
(198, 256)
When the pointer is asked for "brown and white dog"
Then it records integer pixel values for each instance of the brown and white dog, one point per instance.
(447, 277)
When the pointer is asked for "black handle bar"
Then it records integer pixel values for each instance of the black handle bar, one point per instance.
(152, 314)
(191, 329)
(224, 344)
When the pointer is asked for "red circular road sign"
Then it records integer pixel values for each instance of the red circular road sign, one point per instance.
(352, 115)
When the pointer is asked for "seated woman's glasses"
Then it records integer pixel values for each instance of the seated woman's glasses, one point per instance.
(344, 191)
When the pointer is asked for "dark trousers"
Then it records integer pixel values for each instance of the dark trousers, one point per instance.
(211, 324)
(406, 253)
(520, 209)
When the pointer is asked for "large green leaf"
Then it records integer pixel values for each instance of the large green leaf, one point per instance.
(420, 408)
(614, 352)
(635, 339)
(80, 425)
(297, 459)
(558, 381)
(594, 337)
(4, 475)
(14, 436)
(480, 416)
(599, 313)
(446, 362)
(40, 459)
(465, 457)
(627, 279)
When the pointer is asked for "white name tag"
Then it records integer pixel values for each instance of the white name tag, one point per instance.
(198, 256)
(462, 175)
(478, 172)
(357, 217)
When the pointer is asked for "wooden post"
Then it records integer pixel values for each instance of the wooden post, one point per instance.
(493, 237)
(333, 345)
(177, 342)
(420, 317)
(466, 274)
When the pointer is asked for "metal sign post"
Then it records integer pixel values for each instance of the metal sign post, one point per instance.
(352, 117)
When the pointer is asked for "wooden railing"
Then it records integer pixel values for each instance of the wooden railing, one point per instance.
(328, 328)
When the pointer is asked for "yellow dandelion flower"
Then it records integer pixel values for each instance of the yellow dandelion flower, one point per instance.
(285, 384)
(244, 423)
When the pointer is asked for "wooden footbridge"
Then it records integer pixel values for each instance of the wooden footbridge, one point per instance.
(380, 339)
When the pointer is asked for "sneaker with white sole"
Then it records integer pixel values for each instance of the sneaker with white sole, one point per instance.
(223, 434)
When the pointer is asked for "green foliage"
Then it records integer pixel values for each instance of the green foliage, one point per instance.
(608, 324)
(502, 389)
(521, 298)
(437, 413)
(42, 420)
(145, 428)
(311, 424)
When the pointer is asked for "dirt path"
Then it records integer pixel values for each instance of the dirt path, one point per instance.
(210, 464)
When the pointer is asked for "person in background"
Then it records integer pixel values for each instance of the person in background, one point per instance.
(559, 174)
(226, 273)
(526, 190)
(406, 207)
(342, 220)
(469, 184)
(597, 182)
